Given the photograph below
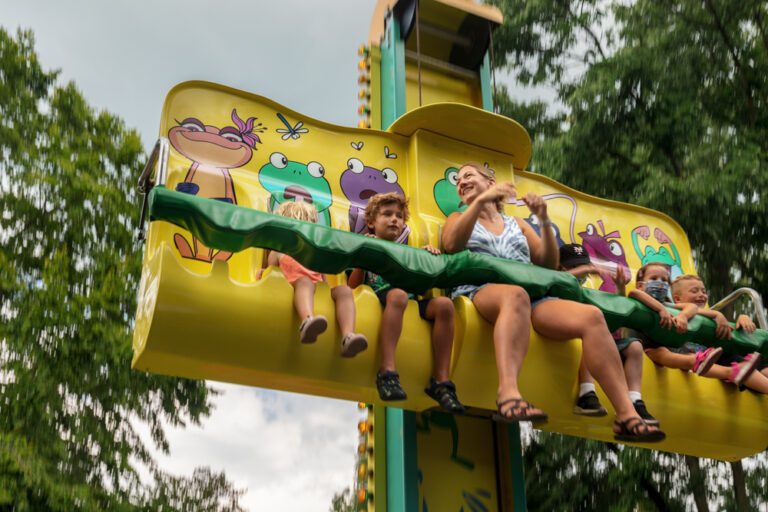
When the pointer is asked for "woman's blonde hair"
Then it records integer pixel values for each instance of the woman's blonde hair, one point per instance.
(298, 210)
(488, 174)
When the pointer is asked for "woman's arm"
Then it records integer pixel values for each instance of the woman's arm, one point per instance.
(544, 250)
(459, 225)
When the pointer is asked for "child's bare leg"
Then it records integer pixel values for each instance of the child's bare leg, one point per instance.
(304, 296)
(345, 308)
(508, 308)
(633, 365)
(584, 376)
(440, 312)
(391, 327)
(719, 371)
(757, 381)
(665, 357)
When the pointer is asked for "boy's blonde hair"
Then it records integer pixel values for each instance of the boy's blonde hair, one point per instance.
(298, 210)
(488, 174)
(379, 200)
(677, 283)
(640, 278)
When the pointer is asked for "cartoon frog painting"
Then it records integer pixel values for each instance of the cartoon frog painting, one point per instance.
(446, 196)
(286, 180)
(213, 153)
(651, 255)
(359, 183)
(606, 252)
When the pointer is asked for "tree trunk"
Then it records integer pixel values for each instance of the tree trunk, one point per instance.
(739, 485)
(698, 485)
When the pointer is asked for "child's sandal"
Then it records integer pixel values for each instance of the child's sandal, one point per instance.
(705, 359)
(635, 430)
(444, 393)
(740, 372)
(311, 328)
(352, 344)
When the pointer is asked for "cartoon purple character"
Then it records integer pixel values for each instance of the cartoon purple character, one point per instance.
(606, 254)
(359, 183)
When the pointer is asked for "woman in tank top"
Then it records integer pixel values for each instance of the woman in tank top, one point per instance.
(483, 228)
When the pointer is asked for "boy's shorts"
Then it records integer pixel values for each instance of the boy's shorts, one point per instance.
(623, 343)
(423, 303)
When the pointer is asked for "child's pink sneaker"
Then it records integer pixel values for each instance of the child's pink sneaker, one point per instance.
(740, 371)
(705, 359)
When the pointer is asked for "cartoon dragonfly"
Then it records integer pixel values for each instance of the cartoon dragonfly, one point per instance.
(291, 131)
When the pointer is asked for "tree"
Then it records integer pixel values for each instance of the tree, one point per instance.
(665, 106)
(69, 270)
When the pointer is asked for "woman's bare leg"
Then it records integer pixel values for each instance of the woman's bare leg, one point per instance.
(561, 320)
(508, 308)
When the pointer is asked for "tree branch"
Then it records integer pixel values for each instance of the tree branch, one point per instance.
(735, 58)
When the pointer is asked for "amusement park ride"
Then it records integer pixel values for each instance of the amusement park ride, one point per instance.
(225, 158)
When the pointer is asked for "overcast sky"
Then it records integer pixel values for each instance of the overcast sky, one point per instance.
(291, 452)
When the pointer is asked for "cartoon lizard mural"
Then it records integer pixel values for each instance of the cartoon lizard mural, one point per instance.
(286, 180)
(359, 183)
(213, 152)
(651, 255)
(606, 252)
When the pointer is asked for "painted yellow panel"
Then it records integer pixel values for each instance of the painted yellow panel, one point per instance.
(204, 314)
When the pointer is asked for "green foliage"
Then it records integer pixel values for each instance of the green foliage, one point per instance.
(666, 106)
(69, 270)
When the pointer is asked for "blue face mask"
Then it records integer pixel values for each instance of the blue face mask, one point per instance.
(659, 290)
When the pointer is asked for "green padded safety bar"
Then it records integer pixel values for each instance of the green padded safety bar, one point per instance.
(331, 251)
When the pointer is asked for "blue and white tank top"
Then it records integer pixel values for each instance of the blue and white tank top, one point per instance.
(511, 244)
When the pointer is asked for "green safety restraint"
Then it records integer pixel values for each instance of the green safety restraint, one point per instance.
(331, 251)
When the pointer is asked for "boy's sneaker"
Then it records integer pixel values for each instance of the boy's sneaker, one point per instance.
(589, 405)
(643, 413)
(444, 393)
(705, 359)
(388, 384)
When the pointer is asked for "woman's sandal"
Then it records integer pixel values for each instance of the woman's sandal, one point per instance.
(311, 328)
(635, 430)
(517, 411)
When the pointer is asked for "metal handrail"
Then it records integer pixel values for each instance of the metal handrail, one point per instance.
(159, 155)
(757, 301)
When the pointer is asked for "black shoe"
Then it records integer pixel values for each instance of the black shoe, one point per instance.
(388, 384)
(444, 393)
(589, 405)
(643, 413)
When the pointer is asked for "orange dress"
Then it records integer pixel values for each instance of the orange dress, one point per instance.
(292, 270)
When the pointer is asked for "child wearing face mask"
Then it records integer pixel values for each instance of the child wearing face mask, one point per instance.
(653, 291)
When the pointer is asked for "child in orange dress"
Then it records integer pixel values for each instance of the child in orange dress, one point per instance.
(303, 281)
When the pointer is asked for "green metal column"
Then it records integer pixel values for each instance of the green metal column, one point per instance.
(392, 75)
(485, 84)
(402, 466)
(516, 465)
